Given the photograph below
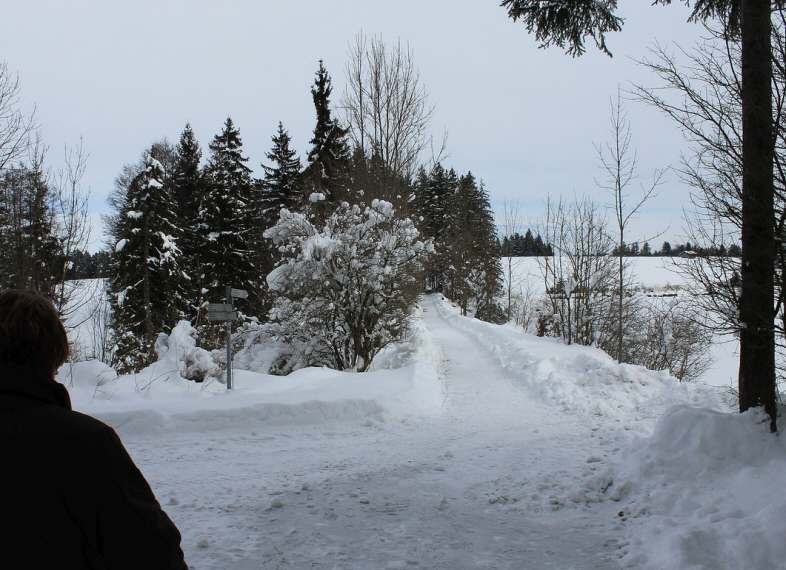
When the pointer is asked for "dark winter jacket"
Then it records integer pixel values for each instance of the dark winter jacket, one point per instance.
(70, 495)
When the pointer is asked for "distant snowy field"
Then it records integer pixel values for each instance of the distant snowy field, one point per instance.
(469, 446)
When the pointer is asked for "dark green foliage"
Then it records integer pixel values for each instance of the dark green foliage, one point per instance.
(567, 24)
(230, 221)
(474, 272)
(282, 183)
(146, 288)
(370, 178)
(456, 214)
(32, 256)
(88, 265)
(329, 157)
(524, 246)
(434, 193)
(188, 190)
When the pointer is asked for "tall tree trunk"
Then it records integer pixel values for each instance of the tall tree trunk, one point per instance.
(148, 312)
(757, 335)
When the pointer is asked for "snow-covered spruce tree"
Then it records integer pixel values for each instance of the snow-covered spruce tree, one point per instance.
(281, 188)
(433, 194)
(282, 183)
(187, 190)
(146, 288)
(329, 157)
(474, 274)
(347, 288)
(230, 222)
(31, 252)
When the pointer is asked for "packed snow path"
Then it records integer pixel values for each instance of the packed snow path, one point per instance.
(469, 487)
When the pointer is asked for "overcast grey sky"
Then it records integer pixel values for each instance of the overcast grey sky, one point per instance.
(125, 74)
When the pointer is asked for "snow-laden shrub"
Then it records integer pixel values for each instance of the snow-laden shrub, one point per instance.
(179, 347)
(344, 290)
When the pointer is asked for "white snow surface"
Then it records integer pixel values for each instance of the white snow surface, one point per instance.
(471, 446)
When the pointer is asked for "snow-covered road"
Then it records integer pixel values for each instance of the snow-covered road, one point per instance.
(470, 486)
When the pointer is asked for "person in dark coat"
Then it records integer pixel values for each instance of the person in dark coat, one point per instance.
(70, 495)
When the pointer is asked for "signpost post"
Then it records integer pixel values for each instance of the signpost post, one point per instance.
(225, 312)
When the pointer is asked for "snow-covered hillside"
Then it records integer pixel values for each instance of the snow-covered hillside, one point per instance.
(483, 447)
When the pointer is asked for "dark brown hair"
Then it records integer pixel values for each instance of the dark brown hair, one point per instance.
(31, 333)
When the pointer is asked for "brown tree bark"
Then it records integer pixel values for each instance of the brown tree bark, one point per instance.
(757, 314)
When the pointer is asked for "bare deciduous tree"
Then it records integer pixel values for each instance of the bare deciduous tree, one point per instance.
(511, 224)
(619, 163)
(701, 91)
(581, 271)
(386, 106)
(16, 128)
(70, 204)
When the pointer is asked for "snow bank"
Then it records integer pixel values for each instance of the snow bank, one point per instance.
(578, 379)
(158, 399)
(143, 405)
(704, 492)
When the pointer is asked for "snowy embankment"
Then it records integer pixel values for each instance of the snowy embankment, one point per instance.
(705, 491)
(702, 492)
(697, 488)
(158, 399)
(579, 379)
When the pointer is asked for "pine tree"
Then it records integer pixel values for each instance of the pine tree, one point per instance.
(282, 182)
(188, 192)
(472, 250)
(329, 157)
(31, 252)
(229, 221)
(146, 287)
(434, 194)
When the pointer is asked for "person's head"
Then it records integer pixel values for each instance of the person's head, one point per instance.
(31, 333)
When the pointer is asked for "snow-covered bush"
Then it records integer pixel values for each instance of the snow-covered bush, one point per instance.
(671, 335)
(347, 289)
(179, 347)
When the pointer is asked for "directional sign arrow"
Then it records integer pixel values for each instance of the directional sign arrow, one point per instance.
(239, 293)
(222, 316)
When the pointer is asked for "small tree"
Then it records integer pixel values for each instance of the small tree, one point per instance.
(347, 289)
(618, 161)
(580, 276)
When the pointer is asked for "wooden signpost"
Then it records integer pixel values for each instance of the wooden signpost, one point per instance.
(225, 312)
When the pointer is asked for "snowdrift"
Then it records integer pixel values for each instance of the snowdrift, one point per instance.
(159, 398)
(704, 492)
(578, 379)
